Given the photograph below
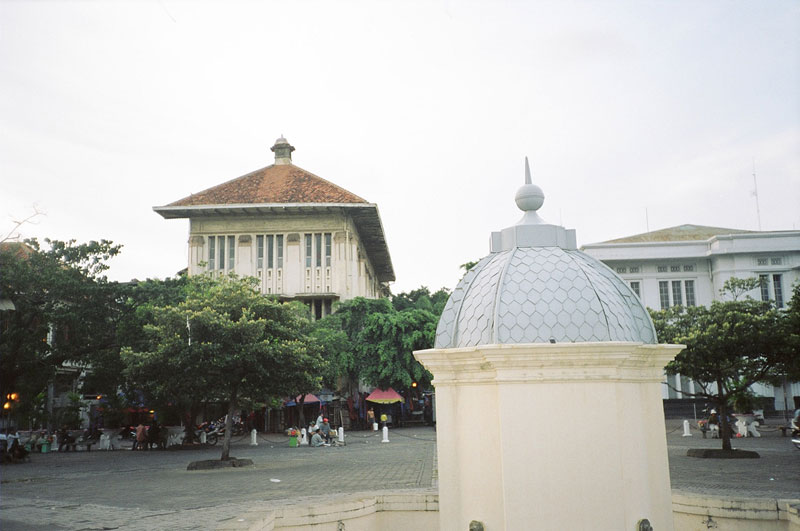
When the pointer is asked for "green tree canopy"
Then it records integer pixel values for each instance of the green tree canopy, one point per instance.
(389, 340)
(370, 340)
(224, 342)
(421, 299)
(64, 310)
(729, 346)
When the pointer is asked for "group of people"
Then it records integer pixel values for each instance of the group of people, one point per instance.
(12, 450)
(320, 432)
(146, 437)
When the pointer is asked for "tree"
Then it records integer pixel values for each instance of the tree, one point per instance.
(422, 299)
(225, 342)
(389, 340)
(369, 340)
(729, 346)
(338, 336)
(64, 310)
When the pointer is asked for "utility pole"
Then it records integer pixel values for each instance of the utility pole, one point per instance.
(755, 193)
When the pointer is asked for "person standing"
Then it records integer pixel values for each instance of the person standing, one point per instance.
(141, 437)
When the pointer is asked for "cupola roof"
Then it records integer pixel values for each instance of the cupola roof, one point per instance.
(536, 287)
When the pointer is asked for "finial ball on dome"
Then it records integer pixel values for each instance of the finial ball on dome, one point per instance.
(529, 197)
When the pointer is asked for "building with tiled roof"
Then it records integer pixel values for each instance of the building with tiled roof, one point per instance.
(687, 265)
(302, 236)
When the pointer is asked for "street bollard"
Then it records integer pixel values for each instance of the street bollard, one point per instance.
(374, 426)
(341, 434)
(686, 432)
(385, 434)
(303, 438)
(203, 437)
(253, 435)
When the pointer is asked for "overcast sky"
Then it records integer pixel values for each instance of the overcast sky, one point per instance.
(628, 111)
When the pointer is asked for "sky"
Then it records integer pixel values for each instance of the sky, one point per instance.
(634, 115)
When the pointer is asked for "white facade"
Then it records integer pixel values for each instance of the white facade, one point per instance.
(301, 236)
(316, 257)
(666, 269)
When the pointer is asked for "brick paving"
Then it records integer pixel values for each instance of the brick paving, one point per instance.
(153, 490)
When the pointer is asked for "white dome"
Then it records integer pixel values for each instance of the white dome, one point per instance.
(539, 294)
(536, 287)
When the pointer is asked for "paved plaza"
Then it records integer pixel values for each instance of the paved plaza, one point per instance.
(153, 490)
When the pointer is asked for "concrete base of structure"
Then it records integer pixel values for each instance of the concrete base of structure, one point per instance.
(420, 510)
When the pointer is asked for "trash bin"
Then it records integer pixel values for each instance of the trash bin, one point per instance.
(45, 447)
(293, 440)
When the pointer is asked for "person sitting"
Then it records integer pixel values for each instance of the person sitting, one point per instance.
(65, 440)
(317, 440)
(17, 451)
(325, 430)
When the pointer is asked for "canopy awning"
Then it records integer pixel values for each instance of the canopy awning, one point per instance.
(390, 396)
(310, 399)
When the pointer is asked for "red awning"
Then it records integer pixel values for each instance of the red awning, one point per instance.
(389, 396)
(310, 399)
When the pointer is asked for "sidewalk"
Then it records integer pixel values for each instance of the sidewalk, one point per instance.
(153, 490)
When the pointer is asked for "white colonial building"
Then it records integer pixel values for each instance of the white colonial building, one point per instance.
(303, 237)
(688, 265)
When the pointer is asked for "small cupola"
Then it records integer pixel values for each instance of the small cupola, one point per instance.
(536, 287)
(283, 151)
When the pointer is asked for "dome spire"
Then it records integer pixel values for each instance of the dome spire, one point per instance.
(531, 230)
(529, 199)
(527, 172)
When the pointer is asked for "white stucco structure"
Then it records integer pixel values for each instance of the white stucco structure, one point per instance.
(303, 237)
(688, 265)
(540, 328)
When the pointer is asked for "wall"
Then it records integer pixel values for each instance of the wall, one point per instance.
(419, 510)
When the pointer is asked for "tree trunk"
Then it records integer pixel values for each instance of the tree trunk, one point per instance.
(301, 417)
(188, 431)
(723, 418)
(226, 440)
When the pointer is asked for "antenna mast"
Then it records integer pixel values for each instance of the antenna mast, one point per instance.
(755, 193)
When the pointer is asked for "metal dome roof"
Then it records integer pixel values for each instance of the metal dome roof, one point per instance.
(536, 287)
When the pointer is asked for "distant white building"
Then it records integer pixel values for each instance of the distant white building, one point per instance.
(303, 237)
(688, 265)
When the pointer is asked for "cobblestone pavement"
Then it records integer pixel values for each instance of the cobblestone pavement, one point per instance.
(776, 474)
(153, 490)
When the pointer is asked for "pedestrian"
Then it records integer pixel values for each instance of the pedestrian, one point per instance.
(370, 418)
(154, 435)
(141, 437)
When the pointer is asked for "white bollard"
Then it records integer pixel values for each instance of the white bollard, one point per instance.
(253, 434)
(741, 428)
(105, 442)
(303, 439)
(686, 432)
(341, 434)
(203, 437)
(385, 434)
(374, 426)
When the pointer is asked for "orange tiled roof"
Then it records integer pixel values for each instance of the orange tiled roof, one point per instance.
(279, 183)
(18, 249)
